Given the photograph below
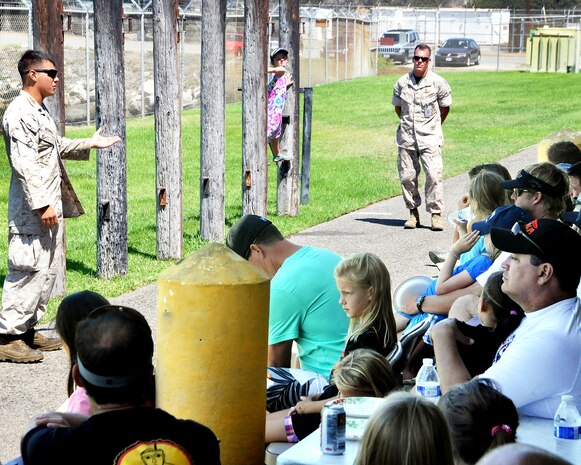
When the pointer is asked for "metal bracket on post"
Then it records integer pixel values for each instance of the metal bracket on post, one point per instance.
(306, 157)
(162, 196)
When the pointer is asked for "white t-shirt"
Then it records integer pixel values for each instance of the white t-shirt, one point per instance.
(541, 360)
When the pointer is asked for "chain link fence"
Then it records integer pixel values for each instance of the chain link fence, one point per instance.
(335, 44)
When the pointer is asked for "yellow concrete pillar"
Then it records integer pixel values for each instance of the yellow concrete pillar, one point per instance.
(212, 339)
(565, 134)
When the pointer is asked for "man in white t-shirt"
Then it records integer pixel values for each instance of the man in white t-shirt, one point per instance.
(540, 361)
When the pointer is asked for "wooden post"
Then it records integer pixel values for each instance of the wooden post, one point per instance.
(306, 159)
(168, 147)
(287, 198)
(47, 35)
(254, 156)
(213, 121)
(111, 162)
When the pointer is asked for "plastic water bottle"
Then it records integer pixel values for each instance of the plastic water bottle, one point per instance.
(464, 216)
(428, 381)
(567, 420)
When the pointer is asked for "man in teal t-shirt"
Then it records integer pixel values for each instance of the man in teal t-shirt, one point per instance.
(304, 300)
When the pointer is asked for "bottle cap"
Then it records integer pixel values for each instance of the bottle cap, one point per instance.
(429, 361)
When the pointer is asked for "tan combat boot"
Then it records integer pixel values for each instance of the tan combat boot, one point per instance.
(37, 340)
(413, 221)
(16, 350)
(437, 222)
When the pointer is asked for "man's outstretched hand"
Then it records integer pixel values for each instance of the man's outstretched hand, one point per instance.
(101, 142)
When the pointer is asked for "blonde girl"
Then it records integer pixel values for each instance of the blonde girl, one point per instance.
(365, 295)
(406, 430)
(365, 289)
(362, 373)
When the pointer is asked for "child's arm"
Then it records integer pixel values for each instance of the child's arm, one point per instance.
(310, 405)
(278, 71)
(448, 282)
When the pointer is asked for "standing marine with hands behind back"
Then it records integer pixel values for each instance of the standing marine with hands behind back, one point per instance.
(422, 100)
(40, 196)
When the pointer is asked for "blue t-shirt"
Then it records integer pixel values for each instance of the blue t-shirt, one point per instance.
(476, 250)
(474, 267)
(304, 306)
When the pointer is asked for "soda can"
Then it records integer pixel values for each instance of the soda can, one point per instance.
(333, 422)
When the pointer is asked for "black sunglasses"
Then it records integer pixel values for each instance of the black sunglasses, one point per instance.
(517, 230)
(422, 59)
(518, 191)
(51, 73)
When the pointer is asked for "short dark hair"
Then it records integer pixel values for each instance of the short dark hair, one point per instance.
(564, 152)
(116, 343)
(423, 46)
(494, 167)
(480, 418)
(32, 58)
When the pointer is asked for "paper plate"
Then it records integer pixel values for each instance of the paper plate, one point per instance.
(357, 410)
(416, 285)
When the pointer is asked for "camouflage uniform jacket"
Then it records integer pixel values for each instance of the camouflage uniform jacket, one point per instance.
(420, 121)
(39, 177)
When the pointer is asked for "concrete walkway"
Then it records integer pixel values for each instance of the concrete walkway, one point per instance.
(29, 389)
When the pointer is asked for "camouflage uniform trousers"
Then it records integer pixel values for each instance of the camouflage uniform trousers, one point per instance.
(408, 165)
(32, 271)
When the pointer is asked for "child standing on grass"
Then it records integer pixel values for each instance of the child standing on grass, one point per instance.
(364, 285)
(278, 83)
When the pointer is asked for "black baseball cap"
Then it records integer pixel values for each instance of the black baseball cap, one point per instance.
(244, 233)
(278, 50)
(552, 241)
(524, 179)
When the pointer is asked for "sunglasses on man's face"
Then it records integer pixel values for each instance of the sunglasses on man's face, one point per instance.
(518, 191)
(51, 73)
(422, 59)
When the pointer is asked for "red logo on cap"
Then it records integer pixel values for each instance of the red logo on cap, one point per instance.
(531, 227)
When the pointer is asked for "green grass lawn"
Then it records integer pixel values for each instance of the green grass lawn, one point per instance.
(353, 160)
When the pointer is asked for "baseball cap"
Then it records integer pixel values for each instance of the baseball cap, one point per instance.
(278, 50)
(552, 241)
(503, 217)
(244, 233)
(525, 179)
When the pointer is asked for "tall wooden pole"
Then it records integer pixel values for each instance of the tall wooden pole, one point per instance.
(111, 162)
(287, 198)
(47, 35)
(168, 147)
(254, 156)
(213, 121)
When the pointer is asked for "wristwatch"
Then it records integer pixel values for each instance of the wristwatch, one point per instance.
(420, 302)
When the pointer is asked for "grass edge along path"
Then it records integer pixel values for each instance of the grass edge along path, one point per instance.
(353, 161)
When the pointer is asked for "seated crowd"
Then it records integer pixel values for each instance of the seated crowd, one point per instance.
(504, 331)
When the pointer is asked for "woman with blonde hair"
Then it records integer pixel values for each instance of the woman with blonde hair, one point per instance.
(406, 430)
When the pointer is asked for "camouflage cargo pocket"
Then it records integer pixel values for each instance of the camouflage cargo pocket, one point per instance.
(24, 252)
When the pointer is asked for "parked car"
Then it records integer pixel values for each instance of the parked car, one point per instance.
(458, 51)
(399, 44)
(234, 43)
